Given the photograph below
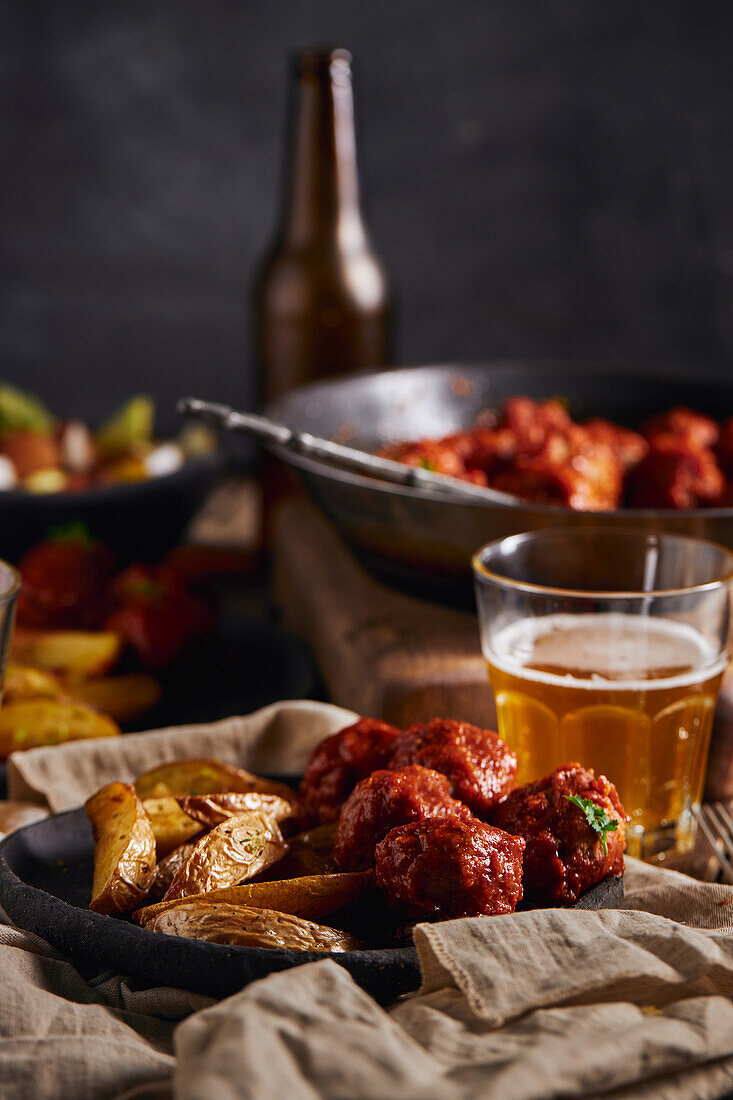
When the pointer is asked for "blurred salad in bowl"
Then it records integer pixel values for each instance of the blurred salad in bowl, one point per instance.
(40, 453)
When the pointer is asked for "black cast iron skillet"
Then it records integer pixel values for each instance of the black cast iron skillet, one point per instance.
(429, 536)
(45, 881)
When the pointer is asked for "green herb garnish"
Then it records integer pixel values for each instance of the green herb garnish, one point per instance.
(426, 464)
(596, 817)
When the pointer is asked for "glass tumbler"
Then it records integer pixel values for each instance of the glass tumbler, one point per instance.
(607, 646)
(9, 589)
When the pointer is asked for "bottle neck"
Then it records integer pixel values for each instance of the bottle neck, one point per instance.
(322, 204)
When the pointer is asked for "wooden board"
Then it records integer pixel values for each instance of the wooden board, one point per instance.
(380, 652)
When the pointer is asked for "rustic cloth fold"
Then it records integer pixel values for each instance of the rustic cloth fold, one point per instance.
(277, 740)
(622, 1003)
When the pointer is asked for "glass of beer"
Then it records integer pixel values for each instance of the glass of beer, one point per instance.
(9, 589)
(607, 646)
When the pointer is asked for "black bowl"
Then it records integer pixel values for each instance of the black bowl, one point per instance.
(45, 881)
(139, 520)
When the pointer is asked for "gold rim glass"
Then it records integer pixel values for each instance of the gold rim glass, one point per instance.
(608, 646)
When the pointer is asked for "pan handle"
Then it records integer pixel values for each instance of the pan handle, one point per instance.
(224, 416)
(278, 436)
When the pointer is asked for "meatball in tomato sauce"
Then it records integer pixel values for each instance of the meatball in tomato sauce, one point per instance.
(628, 447)
(724, 448)
(450, 867)
(480, 766)
(338, 763)
(674, 475)
(532, 421)
(565, 854)
(387, 799)
(696, 430)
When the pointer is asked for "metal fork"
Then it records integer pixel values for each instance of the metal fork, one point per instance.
(716, 825)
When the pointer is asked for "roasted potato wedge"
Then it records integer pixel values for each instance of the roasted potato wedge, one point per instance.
(124, 849)
(172, 825)
(26, 682)
(313, 896)
(308, 854)
(212, 809)
(218, 922)
(76, 653)
(236, 850)
(166, 870)
(30, 723)
(201, 776)
(122, 697)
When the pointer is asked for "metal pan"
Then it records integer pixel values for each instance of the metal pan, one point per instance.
(425, 536)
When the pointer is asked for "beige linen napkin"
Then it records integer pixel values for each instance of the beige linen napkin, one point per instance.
(532, 1006)
(71, 1036)
(67, 1038)
(277, 739)
(537, 1005)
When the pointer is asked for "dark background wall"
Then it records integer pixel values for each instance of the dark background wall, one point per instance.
(541, 179)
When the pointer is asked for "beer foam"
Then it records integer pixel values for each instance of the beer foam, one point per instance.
(611, 649)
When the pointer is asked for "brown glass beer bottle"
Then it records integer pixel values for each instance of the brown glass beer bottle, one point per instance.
(321, 294)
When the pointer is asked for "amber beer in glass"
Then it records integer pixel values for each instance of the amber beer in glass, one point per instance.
(9, 589)
(608, 646)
